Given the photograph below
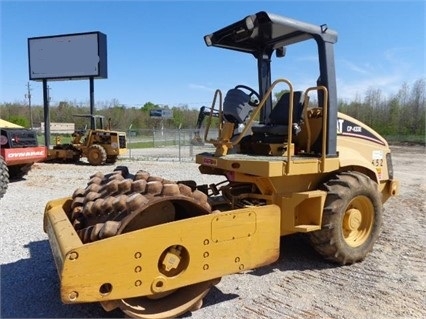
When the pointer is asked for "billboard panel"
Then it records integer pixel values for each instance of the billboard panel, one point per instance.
(68, 56)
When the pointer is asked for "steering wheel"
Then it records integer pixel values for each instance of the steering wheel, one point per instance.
(254, 96)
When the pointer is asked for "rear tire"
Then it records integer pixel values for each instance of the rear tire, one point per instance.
(96, 155)
(4, 177)
(352, 219)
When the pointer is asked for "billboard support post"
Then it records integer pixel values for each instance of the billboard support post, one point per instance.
(92, 102)
(46, 114)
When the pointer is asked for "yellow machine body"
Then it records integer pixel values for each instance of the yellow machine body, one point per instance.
(130, 264)
(291, 182)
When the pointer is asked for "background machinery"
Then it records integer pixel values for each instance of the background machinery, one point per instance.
(98, 144)
(154, 248)
(19, 150)
(204, 111)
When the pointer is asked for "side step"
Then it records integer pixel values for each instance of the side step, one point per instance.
(302, 212)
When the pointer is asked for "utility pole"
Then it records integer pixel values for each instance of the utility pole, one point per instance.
(28, 96)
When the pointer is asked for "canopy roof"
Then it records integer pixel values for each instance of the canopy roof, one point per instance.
(7, 124)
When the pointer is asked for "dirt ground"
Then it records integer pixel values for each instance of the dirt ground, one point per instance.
(389, 283)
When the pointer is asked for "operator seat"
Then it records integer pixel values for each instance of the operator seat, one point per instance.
(236, 106)
(236, 110)
(276, 130)
(279, 119)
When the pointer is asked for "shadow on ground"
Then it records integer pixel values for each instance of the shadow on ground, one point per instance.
(30, 287)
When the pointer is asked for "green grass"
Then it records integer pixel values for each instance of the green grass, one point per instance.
(150, 144)
(140, 145)
(65, 139)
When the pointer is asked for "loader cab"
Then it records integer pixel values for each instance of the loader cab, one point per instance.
(83, 136)
(96, 121)
(100, 144)
(263, 35)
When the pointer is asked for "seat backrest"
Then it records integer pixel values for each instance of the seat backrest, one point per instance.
(236, 106)
(279, 114)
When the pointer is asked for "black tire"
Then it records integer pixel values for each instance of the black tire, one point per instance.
(112, 159)
(17, 172)
(352, 219)
(4, 177)
(96, 155)
(120, 195)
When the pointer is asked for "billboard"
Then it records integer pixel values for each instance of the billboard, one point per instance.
(161, 114)
(68, 56)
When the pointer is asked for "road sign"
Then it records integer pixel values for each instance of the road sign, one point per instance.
(162, 114)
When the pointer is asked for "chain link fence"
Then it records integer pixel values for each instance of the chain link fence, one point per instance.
(181, 145)
(176, 145)
(167, 145)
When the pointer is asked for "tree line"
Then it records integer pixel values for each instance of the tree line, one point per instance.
(122, 117)
(399, 117)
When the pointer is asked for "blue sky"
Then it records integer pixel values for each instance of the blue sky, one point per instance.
(156, 51)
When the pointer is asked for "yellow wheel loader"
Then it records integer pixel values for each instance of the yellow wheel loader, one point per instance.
(98, 144)
(154, 247)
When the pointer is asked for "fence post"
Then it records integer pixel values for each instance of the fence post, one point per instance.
(129, 134)
(191, 147)
(179, 146)
(153, 137)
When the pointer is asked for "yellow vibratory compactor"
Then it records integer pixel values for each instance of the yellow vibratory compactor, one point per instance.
(154, 248)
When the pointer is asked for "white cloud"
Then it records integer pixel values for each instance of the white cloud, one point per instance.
(355, 68)
(352, 89)
(200, 87)
(388, 74)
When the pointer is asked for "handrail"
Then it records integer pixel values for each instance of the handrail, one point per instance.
(257, 111)
(324, 107)
(262, 104)
(206, 132)
(290, 117)
(324, 128)
(305, 117)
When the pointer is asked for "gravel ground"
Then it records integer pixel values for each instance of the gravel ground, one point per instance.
(390, 283)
